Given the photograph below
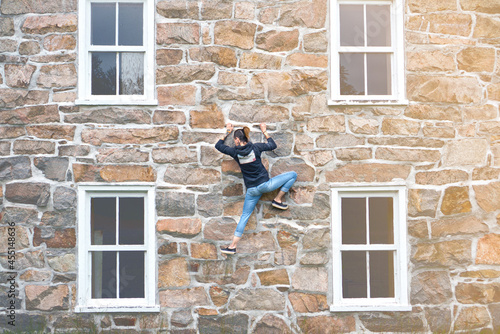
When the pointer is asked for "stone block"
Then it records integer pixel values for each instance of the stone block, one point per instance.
(184, 73)
(25, 260)
(315, 42)
(310, 14)
(441, 177)
(63, 263)
(257, 60)
(456, 200)
(178, 9)
(423, 202)
(15, 168)
(6, 26)
(423, 88)
(181, 227)
(277, 41)
(209, 118)
(36, 193)
(365, 126)
(8, 132)
(18, 76)
(61, 238)
(314, 258)
(215, 54)
(305, 173)
(489, 7)
(175, 204)
(478, 293)
(47, 298)
(310, 279)
(431, 287)
(64, 199)
(338, 140)
(251, 113)
(216, 9)
(111, 115)
(52, 131)
(488, 249)
(20, 237)
(371, 172)
(192, 176)
(486, 29)
(402, 322)
(66, 218)
(235, 33)
(169, 117)
(113, 173)
(59, 42)
(257, 299)
(236, 323)
(307, 60)
(53, 168)
(430, 61)
(173, 273)
(32, 147)
(456, 24)
(30, 115)
(274, 277)
(177, 33)
(310, 105)
(458, 226)
(28, 48)
(130, 135)
(429, 6)
(470, 318)
(204, 251)
(307, 302)
(332, 123)
(451, 253)
(222, 273)
(495, 316)
(74, 150)
(184, 298)
(174, 155)
(272, 324)
(410, 155)
(327, 324)
(168, 56)
(121, 155)
(476, 59)
(401, 127)
(488, 196)
(177, 95)
(438, 319)
(57, 76)
(349, 154)
(209, 205)
(286, 256)
(219, 229)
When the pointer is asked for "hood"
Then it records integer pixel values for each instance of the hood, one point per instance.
(244, 150)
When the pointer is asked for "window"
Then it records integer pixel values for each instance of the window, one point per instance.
(116, 249)
(116, 46)
(367, 52)
(369, 249)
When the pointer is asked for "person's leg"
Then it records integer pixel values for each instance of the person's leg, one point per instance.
(248, 206)
(285, 181)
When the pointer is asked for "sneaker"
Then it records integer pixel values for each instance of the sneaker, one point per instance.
(281, 205)
(227, 250)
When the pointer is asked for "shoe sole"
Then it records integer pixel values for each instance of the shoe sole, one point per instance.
(280, 207)
(227, 252)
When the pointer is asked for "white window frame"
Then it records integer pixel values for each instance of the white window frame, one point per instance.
(84, 301)
(400, 301)
(85, 96)
(398, 96)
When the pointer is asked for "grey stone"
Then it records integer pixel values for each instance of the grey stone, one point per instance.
(210, 205)
(316, 239)
(29, 48)
(64, 198)
(6, 26)
(54, 168)
(438, 319)
(258, 299)
(175, 204)
(19, 215)
(310, 279)
(432, 287)
(110, 116)
(55, 218)
(284, 141)
(26, 323)
(181, 318)
(314, 258)
(15, 168)
(39, 7)
(234, 324)
(28, 193)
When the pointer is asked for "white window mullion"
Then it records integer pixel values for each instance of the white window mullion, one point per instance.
(368, 287)
(118, 275)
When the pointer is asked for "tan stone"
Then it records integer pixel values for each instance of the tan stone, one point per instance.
(184, 298)
(364, 126)
(31, 275)
(173, 273)
(395, 126)
(121, 155)
(235, 33)
(490, 7)
(113, 173)
(57, 76)
(486, 29)
(278, 41)
(52, 131)
(431, 112)
(349, 154)
(168, 56)
(63, 263)
(218, 295)
(332, 123)
(456, 200)
(429, 6)
(7, 132)
(457, 226)
(184, 73)
(310, 14)
(485, 173)
(307, 302)
(490, 127)
(274, 277)
(418, 229)
(28, 147)
(439, 132)
(422, 202)
(338, 140)
(465, 152)
(318, 158)
(368, 173)
(47, 298)
(257, 242)
(462, 89)
(216, 9)
(59, 42)
(184, 227)
(305, 172)
(445, 23)
(488, 249)
(130, 135)
(15, 236)
(204, 251)
(430, 60)
(42, 24)
(471, 318)
(174, 155)
(232, 79)
(413, 155)
(446, 253)
(310, 279)
(33, 6)
(315, 42)
(397, 322)
(208, 118)
(476, 59)
(310, 105)
(484, 112)
(18, 76)
(494, 91)
(441, 177)
(431, 287)
(219, 55)
(477, 293)
(486, 273)
(177, 33)
(327, 324)
(191, 175)
(257, 60)
(244, 10)
(178, 9)
(177, 95)
(257, 299)
(169, 117)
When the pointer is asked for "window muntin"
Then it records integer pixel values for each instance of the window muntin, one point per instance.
(367, 52)
(369, 249)
(117, 270)
(116, 52)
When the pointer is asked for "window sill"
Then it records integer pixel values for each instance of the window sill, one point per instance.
(117, 309)
(368, 103)
(116, 102)
(370, 308)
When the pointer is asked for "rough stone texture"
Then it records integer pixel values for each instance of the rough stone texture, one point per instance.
(446, 253)
(184, 298)
(432, 287)
(327, 324)
(392, 322)
(47, 298)
(310, 279)
(28, 193)
(308, 303)
(487, 196)
(488, 251)
(232, 323)
(173, 273)
(471, 318)
(422, 202)
(259, 299)
(456, 200)
(185, 227)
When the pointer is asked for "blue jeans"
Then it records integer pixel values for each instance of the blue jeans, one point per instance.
(285, 181)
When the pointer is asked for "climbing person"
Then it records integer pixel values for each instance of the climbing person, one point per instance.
(255, 175)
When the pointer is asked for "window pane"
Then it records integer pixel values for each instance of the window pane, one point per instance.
(131, 274)
(103, 221)
(130, 24)
(131, 73)
(382, 274)
(104, 275)
(381, 220)
(378, 25)
(131, 226)
(352, 74)
(354, 221)
(354, 275)
(352, 32)
(103, 73)
(379, 73)
(103, 20)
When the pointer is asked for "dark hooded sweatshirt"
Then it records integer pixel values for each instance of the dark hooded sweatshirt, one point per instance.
(248, 157)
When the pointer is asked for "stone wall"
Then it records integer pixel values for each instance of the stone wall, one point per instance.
(249, 62)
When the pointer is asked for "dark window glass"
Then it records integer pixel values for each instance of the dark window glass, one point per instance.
(352, 74)
(103, 23)
(103, 73)
(353, 221)
(354, 275)
(131, 227)
(382, 274)
(352, 30)
(104, 275)
(131, 274)
(130, 24)
(103, 220)
(381, 220)
(378, 25)
(378, 66)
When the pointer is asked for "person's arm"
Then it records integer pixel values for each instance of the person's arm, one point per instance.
(223, 148)
(270, 145)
